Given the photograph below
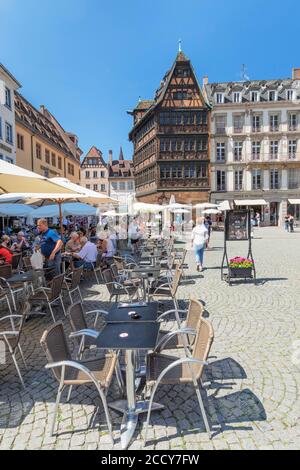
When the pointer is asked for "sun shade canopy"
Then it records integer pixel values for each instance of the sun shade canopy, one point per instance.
(250, 202)
(16, 179)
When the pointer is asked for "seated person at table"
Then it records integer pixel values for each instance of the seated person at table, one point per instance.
(21, 244)
(87, 256)
(5, 254)
(6, 242)
(81, 234)
(73, 245)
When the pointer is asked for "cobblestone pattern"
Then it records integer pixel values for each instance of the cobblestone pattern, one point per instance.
(252, 384)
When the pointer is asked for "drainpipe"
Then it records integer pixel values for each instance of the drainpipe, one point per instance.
(32, 161)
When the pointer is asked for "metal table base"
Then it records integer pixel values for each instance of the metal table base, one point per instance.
(131, 408)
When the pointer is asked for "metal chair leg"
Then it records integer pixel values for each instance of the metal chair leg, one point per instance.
(62, 304)
(69, 393)
(51, 311)
(79, 292)
(18, 370)
(70, 297)
(202, 410)
(22, 355)
(56, 409)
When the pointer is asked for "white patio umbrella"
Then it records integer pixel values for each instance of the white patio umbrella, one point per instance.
(176, 205)
(211, 212)
(147, 208)
(206, 205)
(114, 214)
(75, 209)
(90, 197)
(180, 211)
(16, 179)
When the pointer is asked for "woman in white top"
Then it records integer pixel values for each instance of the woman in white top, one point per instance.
(199, 241)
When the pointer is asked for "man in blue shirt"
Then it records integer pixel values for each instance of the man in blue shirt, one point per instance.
(51, 246)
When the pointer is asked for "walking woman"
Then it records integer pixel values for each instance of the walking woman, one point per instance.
(199, 241)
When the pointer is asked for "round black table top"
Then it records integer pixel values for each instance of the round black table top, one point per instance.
(23, 277)
(133, 313)
(128, 335)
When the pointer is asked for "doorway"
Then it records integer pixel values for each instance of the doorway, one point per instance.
(274, 213)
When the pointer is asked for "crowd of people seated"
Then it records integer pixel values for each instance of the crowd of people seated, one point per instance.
(80, 247)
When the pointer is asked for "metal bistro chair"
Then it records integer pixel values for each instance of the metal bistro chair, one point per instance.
(77, 318)
(15, 262)
(71, 283)
(169, 370)
(49, 295)
(167, 291)
(27, 266)
(12, 337)
(193, 315)
(116, 289)
(12, 288)
(98, 371)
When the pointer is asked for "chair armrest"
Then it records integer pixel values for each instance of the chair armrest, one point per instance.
(9, 333)
(98, 313)
(78, 366)
(165, 340)
(90, 333)
(104, 312)
(119, 285)
(168, 312)
(166, 284)
(186, 360)
(8, 317)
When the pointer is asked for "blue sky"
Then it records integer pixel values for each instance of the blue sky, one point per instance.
(88, 61)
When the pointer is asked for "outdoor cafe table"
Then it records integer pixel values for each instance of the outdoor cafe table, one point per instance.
(23, 277)
(131, 337)
(123, 312)
(146, 273)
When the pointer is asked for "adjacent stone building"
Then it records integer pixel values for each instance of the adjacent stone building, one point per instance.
(43, 146)
(255, 138)
(121, 179)
(94, 171)
(8, 87)
(171, 139)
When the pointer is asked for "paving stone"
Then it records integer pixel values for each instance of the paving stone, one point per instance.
(254, 391)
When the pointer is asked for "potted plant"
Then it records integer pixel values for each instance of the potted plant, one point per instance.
(241, 267)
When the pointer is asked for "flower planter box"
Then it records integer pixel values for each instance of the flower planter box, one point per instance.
(240, 272)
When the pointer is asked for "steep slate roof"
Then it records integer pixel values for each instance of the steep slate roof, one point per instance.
(262, 86)
(95, 153)
(30, 117)
(121, 168)
(150, 105)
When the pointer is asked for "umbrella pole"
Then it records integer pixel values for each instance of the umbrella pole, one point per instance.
(60, 219)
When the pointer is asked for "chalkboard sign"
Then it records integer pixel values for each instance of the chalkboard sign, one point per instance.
(237, 225)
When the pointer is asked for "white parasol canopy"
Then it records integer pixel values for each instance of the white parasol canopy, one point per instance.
(206, 205)
(147, 208)
(114, 214)
(181, 211)
(16, 179)
(89, 196)
(211, 211)
(75, 209)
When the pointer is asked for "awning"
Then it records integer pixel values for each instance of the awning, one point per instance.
(224, 206)
(250, 202)
(294, 201)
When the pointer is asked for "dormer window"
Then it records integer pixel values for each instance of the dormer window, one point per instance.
(254, 96)
(290, 95)
(272, 95)
(219, 98)
(236, 97)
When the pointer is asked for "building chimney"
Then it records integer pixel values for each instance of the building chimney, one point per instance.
(110, 157)
(205, 80)
(42, 109)
(296, 73)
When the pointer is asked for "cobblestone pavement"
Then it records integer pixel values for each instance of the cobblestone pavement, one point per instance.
(252, 381)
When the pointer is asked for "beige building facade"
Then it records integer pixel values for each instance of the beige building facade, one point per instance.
(42, 145)
(255, 145)
(94, 171)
